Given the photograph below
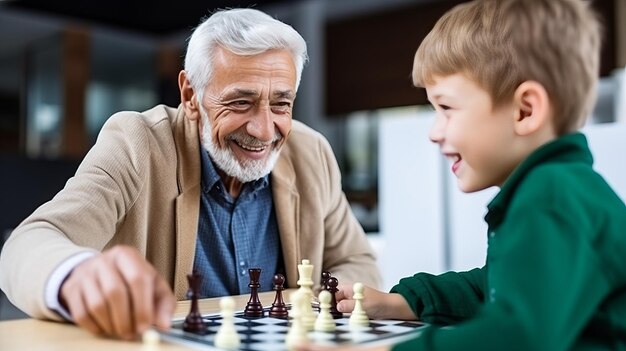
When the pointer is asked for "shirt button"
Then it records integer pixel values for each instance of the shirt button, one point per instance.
(243, 272)
(492, 234)
(492, 294)
(242, 263)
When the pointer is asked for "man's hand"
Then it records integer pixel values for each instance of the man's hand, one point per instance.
(117, 294)
(377, 304)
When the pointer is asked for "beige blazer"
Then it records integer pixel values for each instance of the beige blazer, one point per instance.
(140, 185)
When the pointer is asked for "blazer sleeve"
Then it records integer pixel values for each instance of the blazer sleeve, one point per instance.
(82, 217)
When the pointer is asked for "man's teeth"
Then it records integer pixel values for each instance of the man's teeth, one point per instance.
(252, 148)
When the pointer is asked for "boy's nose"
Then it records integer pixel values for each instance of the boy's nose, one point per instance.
(436, 133)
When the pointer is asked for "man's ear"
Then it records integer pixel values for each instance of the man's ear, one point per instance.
(188, 97)
(532, 108)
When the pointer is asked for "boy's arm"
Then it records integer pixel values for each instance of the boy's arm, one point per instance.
(544, 288)
(444, 299)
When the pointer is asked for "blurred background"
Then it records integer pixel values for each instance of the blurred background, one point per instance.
(66, 66)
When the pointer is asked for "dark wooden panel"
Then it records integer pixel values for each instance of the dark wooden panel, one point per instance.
(369, 58)
(75, 78)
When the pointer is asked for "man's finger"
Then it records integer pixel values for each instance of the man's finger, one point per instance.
(78, 311)
(118, 301)
(96, 305)
(164, 304)
(138, 278)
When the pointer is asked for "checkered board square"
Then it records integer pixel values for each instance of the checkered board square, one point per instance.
(268, 334)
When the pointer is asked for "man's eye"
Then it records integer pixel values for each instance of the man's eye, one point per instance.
(240, 103)
(281, 107)
(283, 104)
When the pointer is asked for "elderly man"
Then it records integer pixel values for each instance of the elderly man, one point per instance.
(226, 182)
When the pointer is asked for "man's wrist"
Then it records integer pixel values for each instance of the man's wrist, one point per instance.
(55, 282)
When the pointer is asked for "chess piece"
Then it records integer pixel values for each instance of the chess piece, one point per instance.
(332, 289)
(279, 309)
(193, 322)
(297, 333)
(150, 340)
(305, 273)
(226, 336)
(358, 318)
(325, 321)
(324, 281)
(254, 308)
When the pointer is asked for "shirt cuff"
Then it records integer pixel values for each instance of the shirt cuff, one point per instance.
(53, 286)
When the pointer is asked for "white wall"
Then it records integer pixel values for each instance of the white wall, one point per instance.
(608, 145)
(411, 206)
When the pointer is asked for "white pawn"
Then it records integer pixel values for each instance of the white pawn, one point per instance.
(227, 337)
(358, 318)
(305, 281)
(297, 334)
(150, 339)
(325, 321)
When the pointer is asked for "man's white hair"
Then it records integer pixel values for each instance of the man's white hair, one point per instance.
(243, 32)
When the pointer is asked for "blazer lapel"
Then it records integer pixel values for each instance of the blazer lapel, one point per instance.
(287, 207)
(188, 202)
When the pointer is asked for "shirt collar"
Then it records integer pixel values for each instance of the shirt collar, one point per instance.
(568, 148)
(210, 178)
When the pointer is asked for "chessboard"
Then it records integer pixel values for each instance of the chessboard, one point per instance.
(268, 334)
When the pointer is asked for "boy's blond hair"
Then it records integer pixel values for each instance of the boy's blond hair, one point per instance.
(502, 43)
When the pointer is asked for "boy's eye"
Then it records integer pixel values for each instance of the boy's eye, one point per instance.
(444, 107)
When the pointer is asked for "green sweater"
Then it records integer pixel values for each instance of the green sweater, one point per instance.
(555, 277)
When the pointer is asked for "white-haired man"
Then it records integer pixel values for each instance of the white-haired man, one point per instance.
(226, 182)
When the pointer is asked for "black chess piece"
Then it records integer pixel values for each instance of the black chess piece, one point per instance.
(193, 322)
(332, 288)
(279, 309)
(254, 308)
(324, 282)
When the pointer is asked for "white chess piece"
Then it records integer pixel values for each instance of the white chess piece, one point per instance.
(358, 318)
(150, 340)
(305, 273)
(227, 337)
(325, 321)
(297, 333)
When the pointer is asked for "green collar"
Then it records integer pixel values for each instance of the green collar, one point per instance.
(570, 147)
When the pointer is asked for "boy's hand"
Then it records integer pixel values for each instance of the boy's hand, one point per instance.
(377, 304)
(118, 294)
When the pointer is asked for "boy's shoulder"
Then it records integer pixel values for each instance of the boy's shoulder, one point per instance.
(559, 185)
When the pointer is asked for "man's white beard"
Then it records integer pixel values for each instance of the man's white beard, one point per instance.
(225, 159)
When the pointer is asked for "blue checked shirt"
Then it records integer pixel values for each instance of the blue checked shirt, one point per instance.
(235, 234)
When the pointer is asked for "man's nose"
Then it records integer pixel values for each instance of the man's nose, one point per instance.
(261, 125)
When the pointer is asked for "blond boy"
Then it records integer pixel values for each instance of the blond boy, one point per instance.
(511, 81)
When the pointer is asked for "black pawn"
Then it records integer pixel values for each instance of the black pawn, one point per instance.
(254, 307)
(193, 322)
(332, 289)
(325, 276)
(279, 309)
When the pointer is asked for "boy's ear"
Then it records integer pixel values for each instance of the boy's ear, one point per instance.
(188, 97)
(532, 108)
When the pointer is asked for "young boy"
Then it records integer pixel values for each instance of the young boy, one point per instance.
(511, 81)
